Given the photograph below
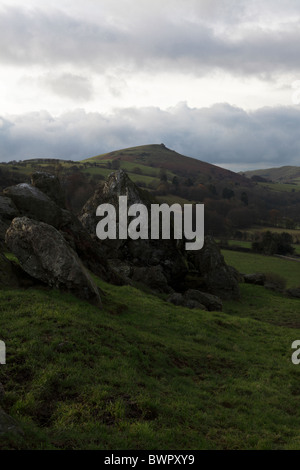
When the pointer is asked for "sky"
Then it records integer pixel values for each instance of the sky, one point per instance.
(217, 80)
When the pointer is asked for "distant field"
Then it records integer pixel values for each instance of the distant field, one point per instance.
(241, 243)
(281, 186)
(250, 262)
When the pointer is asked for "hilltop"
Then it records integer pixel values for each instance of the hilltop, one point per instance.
(159, 156)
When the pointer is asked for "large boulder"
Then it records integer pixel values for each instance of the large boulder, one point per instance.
(258, 279)
(49, 185)
(44, 254)
(211, 302)
(211, 272)
(33, 203)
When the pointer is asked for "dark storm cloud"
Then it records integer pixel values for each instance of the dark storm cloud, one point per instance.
(34, 37)
(221, 134)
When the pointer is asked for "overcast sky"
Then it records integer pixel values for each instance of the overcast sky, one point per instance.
(218, 80)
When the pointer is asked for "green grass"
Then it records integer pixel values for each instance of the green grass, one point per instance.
(144, 374)
(243, 244)
(281, 187)
(297, 249)
(250, 262)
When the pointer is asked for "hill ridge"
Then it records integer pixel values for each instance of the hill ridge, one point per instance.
(160, 156)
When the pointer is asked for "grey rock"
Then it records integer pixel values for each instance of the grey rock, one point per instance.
(33, 203)
(255, 278)
(211, 302)
(49, 185)
(44, 254)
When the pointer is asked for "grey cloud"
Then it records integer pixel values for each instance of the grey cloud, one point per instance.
(34, 37)
(69, 86)
(221, 134)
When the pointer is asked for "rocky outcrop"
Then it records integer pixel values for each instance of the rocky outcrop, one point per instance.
(44, 254)
(163, 265)
(49, 185)
(31, 202)
(161, 256)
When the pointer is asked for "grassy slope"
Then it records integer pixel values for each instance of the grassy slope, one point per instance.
(282, 187)
(144, 374)
(284, 173)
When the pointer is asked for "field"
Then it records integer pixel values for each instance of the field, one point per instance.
(282, 187)
(251, 262)
(144, 374)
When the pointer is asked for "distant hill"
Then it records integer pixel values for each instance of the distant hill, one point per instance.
(159, 156)
(284, 174)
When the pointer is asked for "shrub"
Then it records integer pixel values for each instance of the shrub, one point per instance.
(275, 281)
(270, 243)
